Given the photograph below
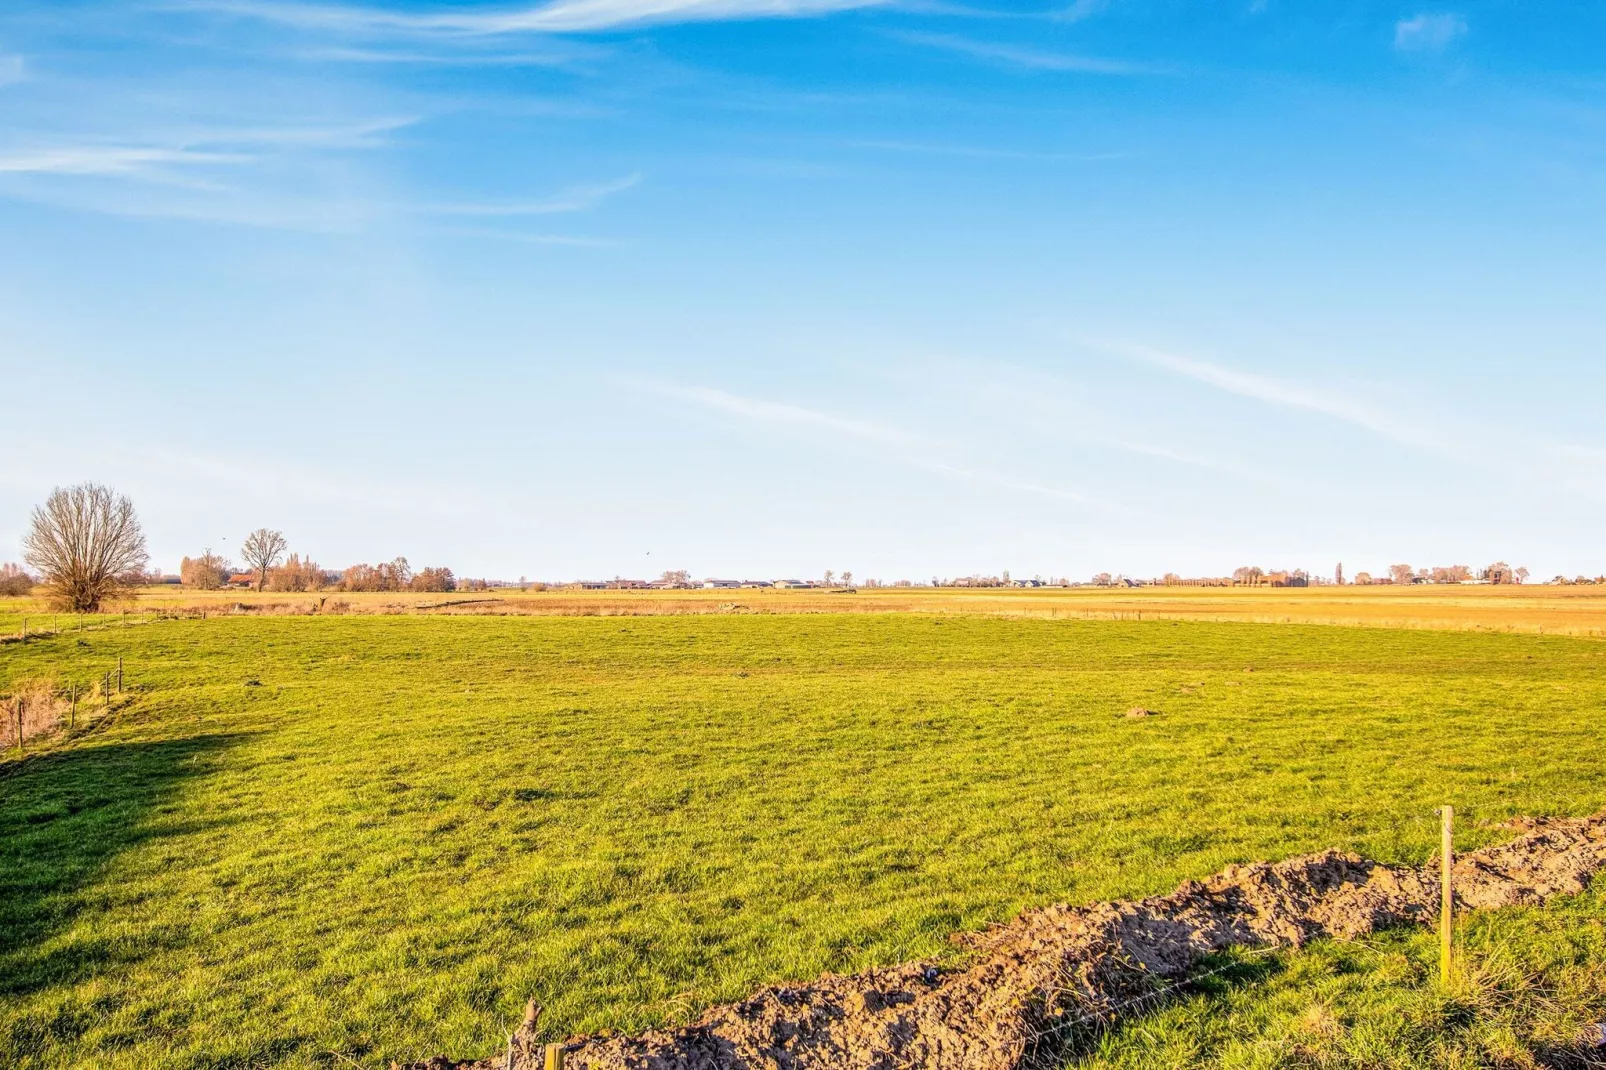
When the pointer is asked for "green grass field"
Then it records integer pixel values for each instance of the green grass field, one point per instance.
(379, 836)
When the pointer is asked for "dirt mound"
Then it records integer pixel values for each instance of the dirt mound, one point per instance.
(1034, 982)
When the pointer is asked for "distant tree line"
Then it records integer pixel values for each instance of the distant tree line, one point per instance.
(15, 581)
(85, 547)
(396, 575)
(1499, 572)
(270, 571)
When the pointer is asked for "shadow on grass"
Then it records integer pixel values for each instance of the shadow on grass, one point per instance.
(64, 817)
(1213, 976)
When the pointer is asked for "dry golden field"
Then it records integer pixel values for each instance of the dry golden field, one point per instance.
(1548, 610)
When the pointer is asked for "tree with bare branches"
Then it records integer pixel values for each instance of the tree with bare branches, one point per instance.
(87, 545)
(262, 549)
(205, 573)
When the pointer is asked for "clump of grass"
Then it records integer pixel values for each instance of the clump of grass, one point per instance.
(31, 710)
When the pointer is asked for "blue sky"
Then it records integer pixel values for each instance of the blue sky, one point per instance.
(765, 287)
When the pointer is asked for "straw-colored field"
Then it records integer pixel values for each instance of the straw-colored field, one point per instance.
(1534, 609)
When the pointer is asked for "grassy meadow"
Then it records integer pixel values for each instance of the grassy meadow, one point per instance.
(324, 840)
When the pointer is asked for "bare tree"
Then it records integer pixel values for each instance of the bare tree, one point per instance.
(261, 550)
(86, 543)
(207, 572)
(847, 579)
(1401, 573)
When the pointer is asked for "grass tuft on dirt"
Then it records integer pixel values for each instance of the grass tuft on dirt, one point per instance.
(1529, 993)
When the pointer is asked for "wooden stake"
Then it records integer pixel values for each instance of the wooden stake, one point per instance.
(1446, 895)
(554, 1057)
(119, 674)
(21, 747)
(72, 718)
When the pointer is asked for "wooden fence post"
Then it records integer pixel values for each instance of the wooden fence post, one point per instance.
(554, 1057)
(119, 674)
(21, 747)
(1446, 895)
(72, 717)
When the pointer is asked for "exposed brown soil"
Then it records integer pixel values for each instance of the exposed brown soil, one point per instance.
(1031, 984)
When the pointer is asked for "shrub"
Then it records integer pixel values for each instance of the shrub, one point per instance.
(14, 581)
(390, 576)
(297, 575)
(205, 573)
(434, 580)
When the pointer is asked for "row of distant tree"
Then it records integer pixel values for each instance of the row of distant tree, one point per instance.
(86, 547)
(276, 572)
(1499, 572)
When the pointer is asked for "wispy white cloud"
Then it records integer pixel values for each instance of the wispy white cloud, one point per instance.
(160, 158)
(983, 152)
(559, 16)
(552, 52)
(1428, 32)
(575, 199)
(1077, 10)
(249, 175)
(1289, 395)
(127, 160)
(905, 447)
(1057, 409)
(253, 175)
(576, 241)
(1030, 58)
(777, 412)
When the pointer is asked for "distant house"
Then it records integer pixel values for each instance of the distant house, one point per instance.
(794, 583)
(721, 584)
(242, 579)
(1286, 579)
(757, 583)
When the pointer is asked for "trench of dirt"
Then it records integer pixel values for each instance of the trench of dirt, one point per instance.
(1031, 985)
